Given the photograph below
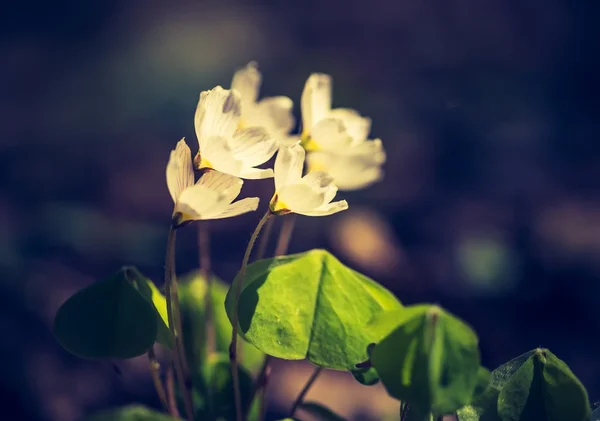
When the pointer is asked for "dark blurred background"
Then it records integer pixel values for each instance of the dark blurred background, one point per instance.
(488, 109)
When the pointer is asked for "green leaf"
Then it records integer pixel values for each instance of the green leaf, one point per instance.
(320, 412)
(192, 292)
(218, 383)
(309, 305)
(108, 319)
(130, 413)
(151, 293)
(365, 376)
(534, 386)
(430, 359)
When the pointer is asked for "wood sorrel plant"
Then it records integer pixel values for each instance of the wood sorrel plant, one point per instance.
(301, 306)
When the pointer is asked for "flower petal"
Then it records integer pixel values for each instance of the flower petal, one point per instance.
(180, 173)
(218, 154)
(275, 114)
(218, 114)
(316, 100)
(320, 181)
(328, 209)
(331, 133)
(256, 173)
(357, 126)
(253, 146)
(199, 202)
(300, 197)
(288, 165)
(246, 205)
(247, 82)
(228, 186)
(350, 172)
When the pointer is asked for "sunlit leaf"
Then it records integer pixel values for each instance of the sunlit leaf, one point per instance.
(309, 305)
(130, 413)
(430, 359)
(151, 293)
(192, 292)
(109, 319)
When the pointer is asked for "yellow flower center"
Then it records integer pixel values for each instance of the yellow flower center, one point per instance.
(308, 142)
(277, 206)
(200, 162)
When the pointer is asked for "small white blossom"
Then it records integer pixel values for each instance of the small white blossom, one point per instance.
(224, 147)
(209, 198)
(337, 139)
(310, 195)
(272, 113)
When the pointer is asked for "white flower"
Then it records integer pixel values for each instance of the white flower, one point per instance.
(337, 139)
(310, 195)
(221, 145)
(352, 168)
(210, 198)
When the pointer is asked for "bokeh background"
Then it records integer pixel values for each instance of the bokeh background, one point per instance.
(488, 109)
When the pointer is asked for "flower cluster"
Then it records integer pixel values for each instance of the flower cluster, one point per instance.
(237, 133)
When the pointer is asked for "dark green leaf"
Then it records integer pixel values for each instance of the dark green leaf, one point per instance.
(534, 386)
(151, 293)
(309, 305)
(107, 320)
(429, 358)
(320, 412)
(192, 292)
(365, 376)
(130, 413)
(564, 395)
(219, 387)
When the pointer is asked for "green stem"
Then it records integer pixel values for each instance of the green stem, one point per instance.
(204, 247)
(285, 235)
(305, 389)
(264, 240)
(170, 386)
(235, 322)
(155, 372)
(174, 316)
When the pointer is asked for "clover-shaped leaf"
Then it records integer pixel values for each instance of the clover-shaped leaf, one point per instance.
(309, 305)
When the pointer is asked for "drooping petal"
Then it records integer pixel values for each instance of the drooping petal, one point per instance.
(327, 209)
(228, 186)
(247, 82)
(300, 197)
(316, 100)
(198, 201)
(357, 126)
(253, 146)
(288, 165)
(246, 205)
(256, 173)
(218, 114)
(331, 133)
(180, 173)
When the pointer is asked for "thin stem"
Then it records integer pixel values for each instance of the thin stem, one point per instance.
(155, 372)
(174, 316)
(235, 321)
(170, 385)
(264, 240)
(204, 248)
(285, 235)
(305, 389)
